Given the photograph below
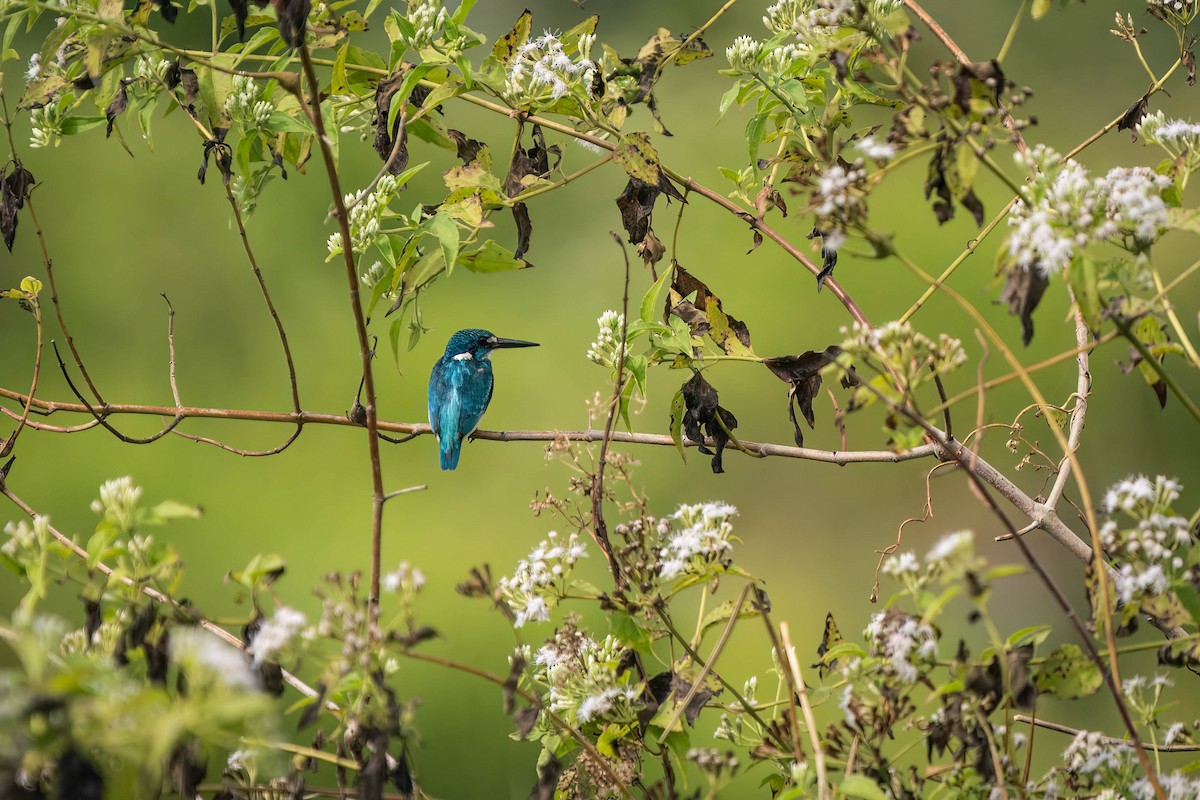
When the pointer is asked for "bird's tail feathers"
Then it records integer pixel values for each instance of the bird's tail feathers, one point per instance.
(448, 452)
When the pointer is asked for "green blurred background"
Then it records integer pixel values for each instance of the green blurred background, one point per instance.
(122, 230)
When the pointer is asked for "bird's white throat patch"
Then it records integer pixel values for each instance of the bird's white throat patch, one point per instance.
(463, 357)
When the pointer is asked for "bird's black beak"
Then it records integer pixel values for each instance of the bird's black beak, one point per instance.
(498, 343)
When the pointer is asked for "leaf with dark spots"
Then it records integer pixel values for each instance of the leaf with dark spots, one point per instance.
(1023, 290)
(987, 73)
(505, 49)
(831, 638)
(703, 414)
(547, 782)
(467, 148)
(803, 373)
(293, 20)
(681, 686)
(77, 777)
(1133, 116)
(117, 107)
(727, 332)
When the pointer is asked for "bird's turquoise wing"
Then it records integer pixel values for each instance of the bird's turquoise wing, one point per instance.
(475, 392)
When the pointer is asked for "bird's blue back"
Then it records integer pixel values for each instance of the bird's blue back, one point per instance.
(460, 389)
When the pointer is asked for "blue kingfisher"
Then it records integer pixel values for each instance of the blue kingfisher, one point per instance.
(460, 388)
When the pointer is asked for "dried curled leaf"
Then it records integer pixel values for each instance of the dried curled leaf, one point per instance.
(803, 373)
(1023, 290)
(704, 415)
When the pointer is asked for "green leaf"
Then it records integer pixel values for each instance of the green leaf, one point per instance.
(1035, 635)
(1068, 674)
(169, 510)
(491, 258)
(1039, 9)
(678, 407)
(861, 786)
(631, 633)
(443, 227)
(506, 46)
(73, 125)
(638, 158)
(31, 285)
(261, 572)
(721, 614)
(754, 134)
(650, 300)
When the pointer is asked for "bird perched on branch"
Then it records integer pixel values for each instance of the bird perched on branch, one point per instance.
(460, 388)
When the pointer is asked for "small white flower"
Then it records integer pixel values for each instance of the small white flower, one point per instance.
(277, 633)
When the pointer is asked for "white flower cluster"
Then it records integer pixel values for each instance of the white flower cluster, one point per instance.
(897, 344)
(276, 634)
(203, 652)
(46, 125)
(1137, 495)
(542, 64)
(1179, 138)
(905, 644)
(35, 68)
(26, 539)
(245, 106)
(366, 215)
(427, 18)
(1062, 210)
(404, 580)
(119, 501)
(874, 149)
(373, 274)
(151, 68)
(701, 535)
(743, 53)
(609, 348)
(539, 581)
(1152, 554)
(1095, 760)
(836, 191)
(902, 564)
(1184, 10)
(584, 678)
(801, 16)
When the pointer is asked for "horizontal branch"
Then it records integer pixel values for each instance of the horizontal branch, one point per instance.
(1109, 740)
(47, 407)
